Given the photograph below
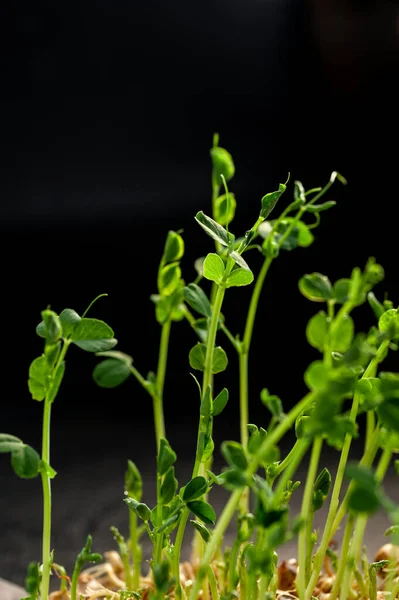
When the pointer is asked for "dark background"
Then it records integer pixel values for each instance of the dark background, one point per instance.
(107, 115)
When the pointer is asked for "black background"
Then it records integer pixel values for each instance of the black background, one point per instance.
(107, 115)
(108, 112)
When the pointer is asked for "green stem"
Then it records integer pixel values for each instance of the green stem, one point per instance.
(210, 346)
(334, 502)
(253, 305)
(306, 515)
(344, 553)
(370, 426)
(301, 447)
(213, 584)
(356, 546)
(232, 504)
(160, 382)
(135, 550)
(292, 455)
(233, 577)
(46, 485)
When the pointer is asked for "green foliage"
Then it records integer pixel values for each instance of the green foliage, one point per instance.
(259, 473)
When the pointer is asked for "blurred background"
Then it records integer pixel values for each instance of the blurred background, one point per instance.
(107, 115)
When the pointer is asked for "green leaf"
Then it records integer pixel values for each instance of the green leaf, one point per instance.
(316, 375)
(169, 524)
(203, 511)
(202, 530)
(316, 287)
(272, 403)
(161, 577)
(238, 259)
(206, 404)
(219, 360)
(270, 200)
(133, 481)
(9, 443)
(169, 279)
(196, 356)
(389, 323)
(317, 208)
(234, 479)
(321, 488)
(222, 163)
(38, 382)
(174, 247)
(93, 335)
(56, 382)
(140, 509)
(69, 320)
(239, 277)
(317, 330)
(32, 581)
(220, 402)
(195, 488)
(375, 305)
(52, 326)
(363, 500)
(168, 486)
(300, 234)
(341, 290)
(214, 230)
(166, 457)
(111, 372)
(388, 413)
(197, 299)
(389, 440)
(225, 208)
(234, 454)
(25, 461)
(214, 268)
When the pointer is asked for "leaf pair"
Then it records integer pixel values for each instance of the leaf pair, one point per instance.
(25, 460)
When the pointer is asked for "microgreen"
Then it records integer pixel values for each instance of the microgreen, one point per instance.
(345, 381)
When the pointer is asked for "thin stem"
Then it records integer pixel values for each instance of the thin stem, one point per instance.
(291, 467)
(140, 378)
(210, 346)
(46, 485)
(292, 454)
(231, 506)
(344, 553)
(160, 382)
(356, 546)
(306, 515)
(135, 550)
(370, 426)
(329, 529)
(213, 584)
(253, 305)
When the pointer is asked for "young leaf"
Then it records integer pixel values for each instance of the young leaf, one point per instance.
(214, 268)
(225, 208)
(239, 277)
(169, 279)
(203, 511)
(69, 320)
(202, 530)
(93, 335)
(52, 326)
(166, 457)
(321, 488)
(389, 323)
(139, 508)
(219, 360)
(206, 405)
(111, 372)
(214, 230)
(272, 403)
(174, 247)
(234, 453)
(38, 382)
(222, 163)
(196, 357)
(197, 299)
(341, 290)
(388, 413)
(133, 481)
(238, 259)
(220, 402)
(168, 486)
(316, 287)
(9, 443)
(25, 461)
(195, 488)
(317, 208)
(270, 200)
(375, 305)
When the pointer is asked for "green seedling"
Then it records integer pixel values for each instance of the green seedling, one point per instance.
(345, 382)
